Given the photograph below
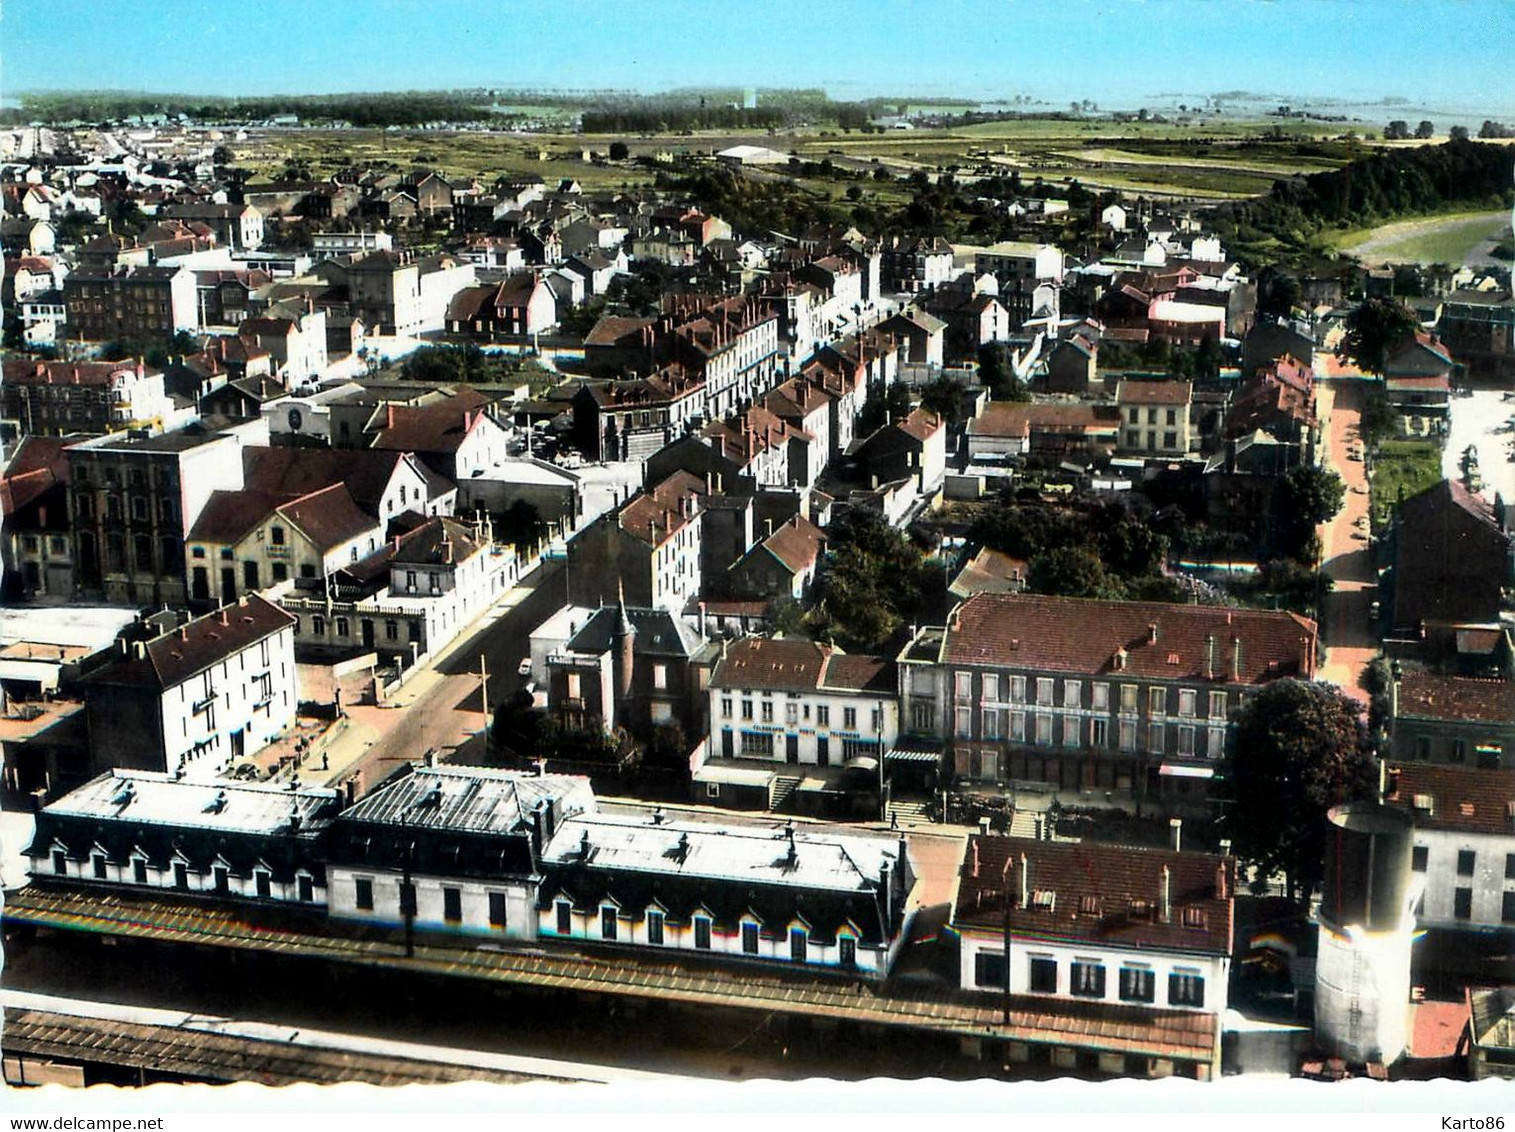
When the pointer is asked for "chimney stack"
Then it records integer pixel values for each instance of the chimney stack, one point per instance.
(1025, 878)
(1222, 881)
(1176, 832)
(1165, 896)
(1236, 658)
(1152, 633)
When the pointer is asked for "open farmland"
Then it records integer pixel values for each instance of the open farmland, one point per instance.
(1216, 161)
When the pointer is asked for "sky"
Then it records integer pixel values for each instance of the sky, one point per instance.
(1116, 52)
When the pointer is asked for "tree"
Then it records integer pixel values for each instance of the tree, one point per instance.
(873, 583)
(222, 155)
(1379, 418)
(884, 403)
(1424, 130)
(1313, 493)
(1397, 130)
(1128, 546)
(1459, 133)
(1302, 500)
(619, 151)
(1300, 748)
(944, 397)
(1373, 329)
(1071, 571)
(521, 525)
(996, 374)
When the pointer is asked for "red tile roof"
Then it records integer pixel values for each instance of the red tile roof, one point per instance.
(1020, 419)
(921, 424)
(438, 427)
(656, 515)
(174, 657)
(1102, 894)
(1154, 393)
(292, 472)
(859, 673)
(757, 662)
(22, 371)
(1065, 634)
(1429, 695)
(802, 666)
(991, 571)
(229, 516)
(329, 517)
(1462, 798)
(797, 544)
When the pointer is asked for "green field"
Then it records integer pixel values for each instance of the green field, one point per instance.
(1402, 468)
(1441, 239)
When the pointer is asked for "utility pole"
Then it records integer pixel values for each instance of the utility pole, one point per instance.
(1005, 885)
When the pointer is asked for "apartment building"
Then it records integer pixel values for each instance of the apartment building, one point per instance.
(1126, 699)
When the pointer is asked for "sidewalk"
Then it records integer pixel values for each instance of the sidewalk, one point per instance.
(368, 723)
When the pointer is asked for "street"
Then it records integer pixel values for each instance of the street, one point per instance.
(1346, 550)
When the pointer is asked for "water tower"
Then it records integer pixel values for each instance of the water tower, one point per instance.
(1367, 926)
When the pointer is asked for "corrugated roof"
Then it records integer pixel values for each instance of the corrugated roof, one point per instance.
(469, 799)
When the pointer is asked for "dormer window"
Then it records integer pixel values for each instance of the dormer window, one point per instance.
(276, 535)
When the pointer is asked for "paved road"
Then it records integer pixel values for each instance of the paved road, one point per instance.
(1347, 554)
(441, 708)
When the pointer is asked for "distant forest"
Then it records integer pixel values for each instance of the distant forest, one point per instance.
(363, 110)
(602, 111)
(1371, 190)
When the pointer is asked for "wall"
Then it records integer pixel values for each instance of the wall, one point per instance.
(806, 727)
(681, 937)
(1493, 875)
(162, 880)
(236, 693)
(1215, 969)
(520, 903)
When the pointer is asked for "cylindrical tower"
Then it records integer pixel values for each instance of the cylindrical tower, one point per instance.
(1367, 927)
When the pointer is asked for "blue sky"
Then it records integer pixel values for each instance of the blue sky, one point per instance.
(1117, 52)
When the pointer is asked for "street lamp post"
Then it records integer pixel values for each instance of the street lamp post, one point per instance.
(408, 898)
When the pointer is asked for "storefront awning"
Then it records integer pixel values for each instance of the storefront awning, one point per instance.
(933, 758)
(733, 775)
(1175, 770)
